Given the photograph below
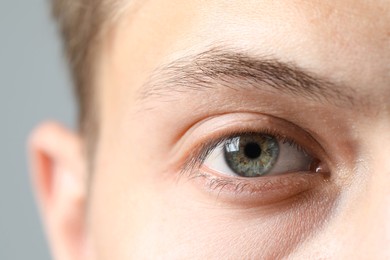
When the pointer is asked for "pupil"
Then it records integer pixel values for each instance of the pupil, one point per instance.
(252, 150)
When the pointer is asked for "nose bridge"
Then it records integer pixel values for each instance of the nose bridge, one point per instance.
(359, 227)
(373, 225)
(371, 209)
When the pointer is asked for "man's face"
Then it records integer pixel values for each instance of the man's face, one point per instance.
(197, 97)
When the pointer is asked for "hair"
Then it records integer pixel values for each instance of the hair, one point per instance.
(79, 23)
(82, 24)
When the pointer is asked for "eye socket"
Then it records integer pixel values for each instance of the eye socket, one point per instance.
(256, 155)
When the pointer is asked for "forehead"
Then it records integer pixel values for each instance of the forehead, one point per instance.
(346, 41)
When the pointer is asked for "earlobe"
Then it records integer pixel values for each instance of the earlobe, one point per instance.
(59, 177)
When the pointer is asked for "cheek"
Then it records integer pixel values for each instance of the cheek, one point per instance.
(191, 228)
(122, 196)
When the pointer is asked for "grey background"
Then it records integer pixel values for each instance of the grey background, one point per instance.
(34, 86)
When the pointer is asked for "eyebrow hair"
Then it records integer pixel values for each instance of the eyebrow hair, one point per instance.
(240, 70)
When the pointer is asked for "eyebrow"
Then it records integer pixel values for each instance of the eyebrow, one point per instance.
(237, 70)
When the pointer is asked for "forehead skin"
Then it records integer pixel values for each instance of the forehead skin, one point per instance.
(345, 41)
(328, 37)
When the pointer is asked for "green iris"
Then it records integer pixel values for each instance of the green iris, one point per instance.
(251, 155)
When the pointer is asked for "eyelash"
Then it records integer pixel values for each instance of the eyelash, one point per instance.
(192, 167)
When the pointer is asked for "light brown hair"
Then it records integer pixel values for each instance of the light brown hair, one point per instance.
(81, 24)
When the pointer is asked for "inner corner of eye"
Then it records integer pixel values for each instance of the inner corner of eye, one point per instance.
(318, 166)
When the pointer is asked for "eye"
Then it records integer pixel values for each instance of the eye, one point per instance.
(256, 155)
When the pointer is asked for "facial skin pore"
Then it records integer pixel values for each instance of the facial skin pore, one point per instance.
(177, 74)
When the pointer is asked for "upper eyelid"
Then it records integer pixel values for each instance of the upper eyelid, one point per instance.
(254, 118)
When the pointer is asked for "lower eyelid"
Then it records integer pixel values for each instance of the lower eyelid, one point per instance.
(259, 191)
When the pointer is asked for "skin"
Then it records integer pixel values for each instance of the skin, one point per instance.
(138, 205)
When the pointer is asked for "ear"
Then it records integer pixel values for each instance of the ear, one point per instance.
(59, 177)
